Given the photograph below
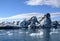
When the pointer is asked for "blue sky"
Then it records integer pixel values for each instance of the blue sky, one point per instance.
(16, 7)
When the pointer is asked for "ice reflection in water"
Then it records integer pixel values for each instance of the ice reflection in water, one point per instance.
(42, 33)
(29, 35)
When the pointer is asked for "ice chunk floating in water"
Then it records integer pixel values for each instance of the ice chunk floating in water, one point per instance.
(9, 33)
(37, 34)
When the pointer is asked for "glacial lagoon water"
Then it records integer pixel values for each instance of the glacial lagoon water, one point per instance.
(29, 35)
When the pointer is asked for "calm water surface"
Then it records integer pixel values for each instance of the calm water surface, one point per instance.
(29, 35)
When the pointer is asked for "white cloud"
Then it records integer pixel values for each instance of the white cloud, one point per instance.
(22, 16)
(29, 15)
(55, 3)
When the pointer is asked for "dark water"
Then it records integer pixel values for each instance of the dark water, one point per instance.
(29, 35)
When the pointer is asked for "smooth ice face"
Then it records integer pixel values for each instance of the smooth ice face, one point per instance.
(24, 23)
(46, 22)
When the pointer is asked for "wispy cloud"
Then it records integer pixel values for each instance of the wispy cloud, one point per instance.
(29, 15)
(54, 3)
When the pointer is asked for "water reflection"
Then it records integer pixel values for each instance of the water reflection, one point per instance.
(28, 35)
(46, 34)
(43, 34)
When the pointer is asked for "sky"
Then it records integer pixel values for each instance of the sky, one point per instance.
(13, 9)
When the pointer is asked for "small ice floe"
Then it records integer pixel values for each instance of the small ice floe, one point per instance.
(23, 32)
(9, 33)
(37, 34)
(34, 34)
(54, 32)
(27, 32)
